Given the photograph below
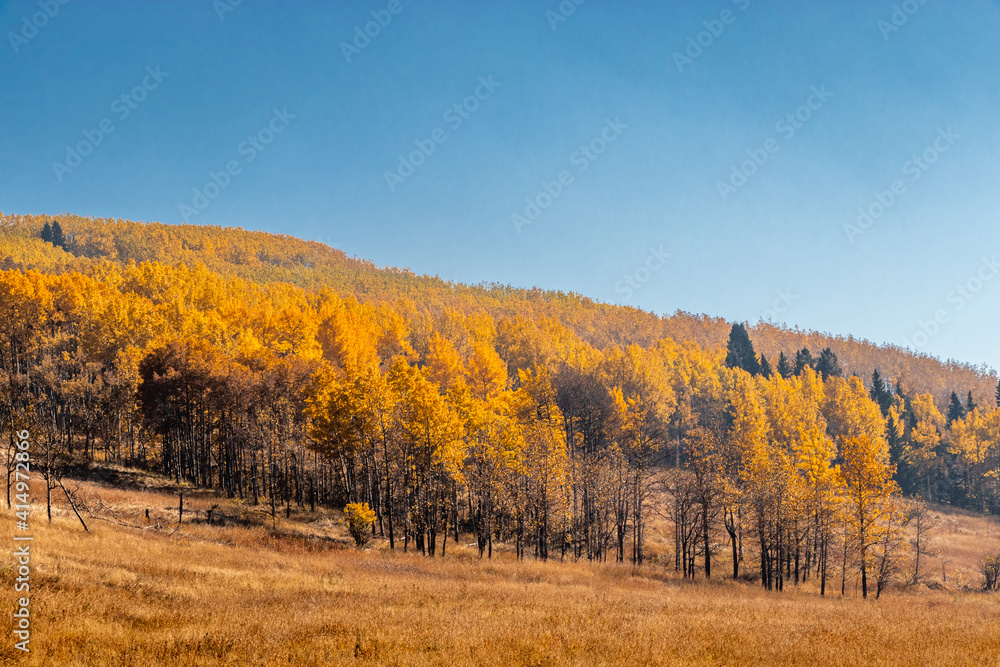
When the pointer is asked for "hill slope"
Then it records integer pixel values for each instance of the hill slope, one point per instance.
(265, 258)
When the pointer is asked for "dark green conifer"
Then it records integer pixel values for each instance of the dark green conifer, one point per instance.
(765, 367)
(803, 358)
(740, 352)
(785, 370)
(955, 409)
(827, 364)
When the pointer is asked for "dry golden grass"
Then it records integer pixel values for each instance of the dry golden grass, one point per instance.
(211, 595)
(960, 539)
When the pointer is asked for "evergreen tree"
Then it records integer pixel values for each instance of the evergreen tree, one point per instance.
(785, 370)
(765, 367)
(878, 386)
(57, 236)
(740, 351)
(955, 410)
(998, 394)
(895, 437)
(827, 365)
(803, 358)
(970, 405)
(47, 237)
(879, 393)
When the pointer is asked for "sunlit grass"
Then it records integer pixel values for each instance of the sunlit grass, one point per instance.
(207, 595)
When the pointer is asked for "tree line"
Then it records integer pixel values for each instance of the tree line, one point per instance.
(510, 428)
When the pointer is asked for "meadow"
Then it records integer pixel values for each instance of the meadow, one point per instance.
(252, 589)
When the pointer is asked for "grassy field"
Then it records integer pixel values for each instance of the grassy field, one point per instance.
(295, 593)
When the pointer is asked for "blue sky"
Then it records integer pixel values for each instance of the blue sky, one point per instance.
(626, 124)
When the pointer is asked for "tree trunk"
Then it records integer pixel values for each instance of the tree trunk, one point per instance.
(864, 572)
(708, 552)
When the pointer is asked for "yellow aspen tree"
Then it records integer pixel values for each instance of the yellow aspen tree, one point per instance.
(849, 411)
(544, 470)
(764, 474)
(485, 371)
(434, 432)
(976, 441)
(444, 364)
(925, 438)
(869, 488)
(798, 428)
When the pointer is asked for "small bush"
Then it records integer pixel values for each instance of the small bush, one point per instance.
(359, 521)
(991, 572)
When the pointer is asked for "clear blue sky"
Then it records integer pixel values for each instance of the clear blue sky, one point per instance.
(888, 92)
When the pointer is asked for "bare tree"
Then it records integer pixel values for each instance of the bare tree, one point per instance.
(890, 548)
(684, 511)
(923, 523)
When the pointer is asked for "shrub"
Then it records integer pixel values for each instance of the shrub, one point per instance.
(991, 572)
(359, 521)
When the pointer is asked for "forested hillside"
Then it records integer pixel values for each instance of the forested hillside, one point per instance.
(263, 258)
(281, 371)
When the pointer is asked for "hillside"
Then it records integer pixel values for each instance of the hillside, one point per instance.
(264, 258)
(541, 422)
